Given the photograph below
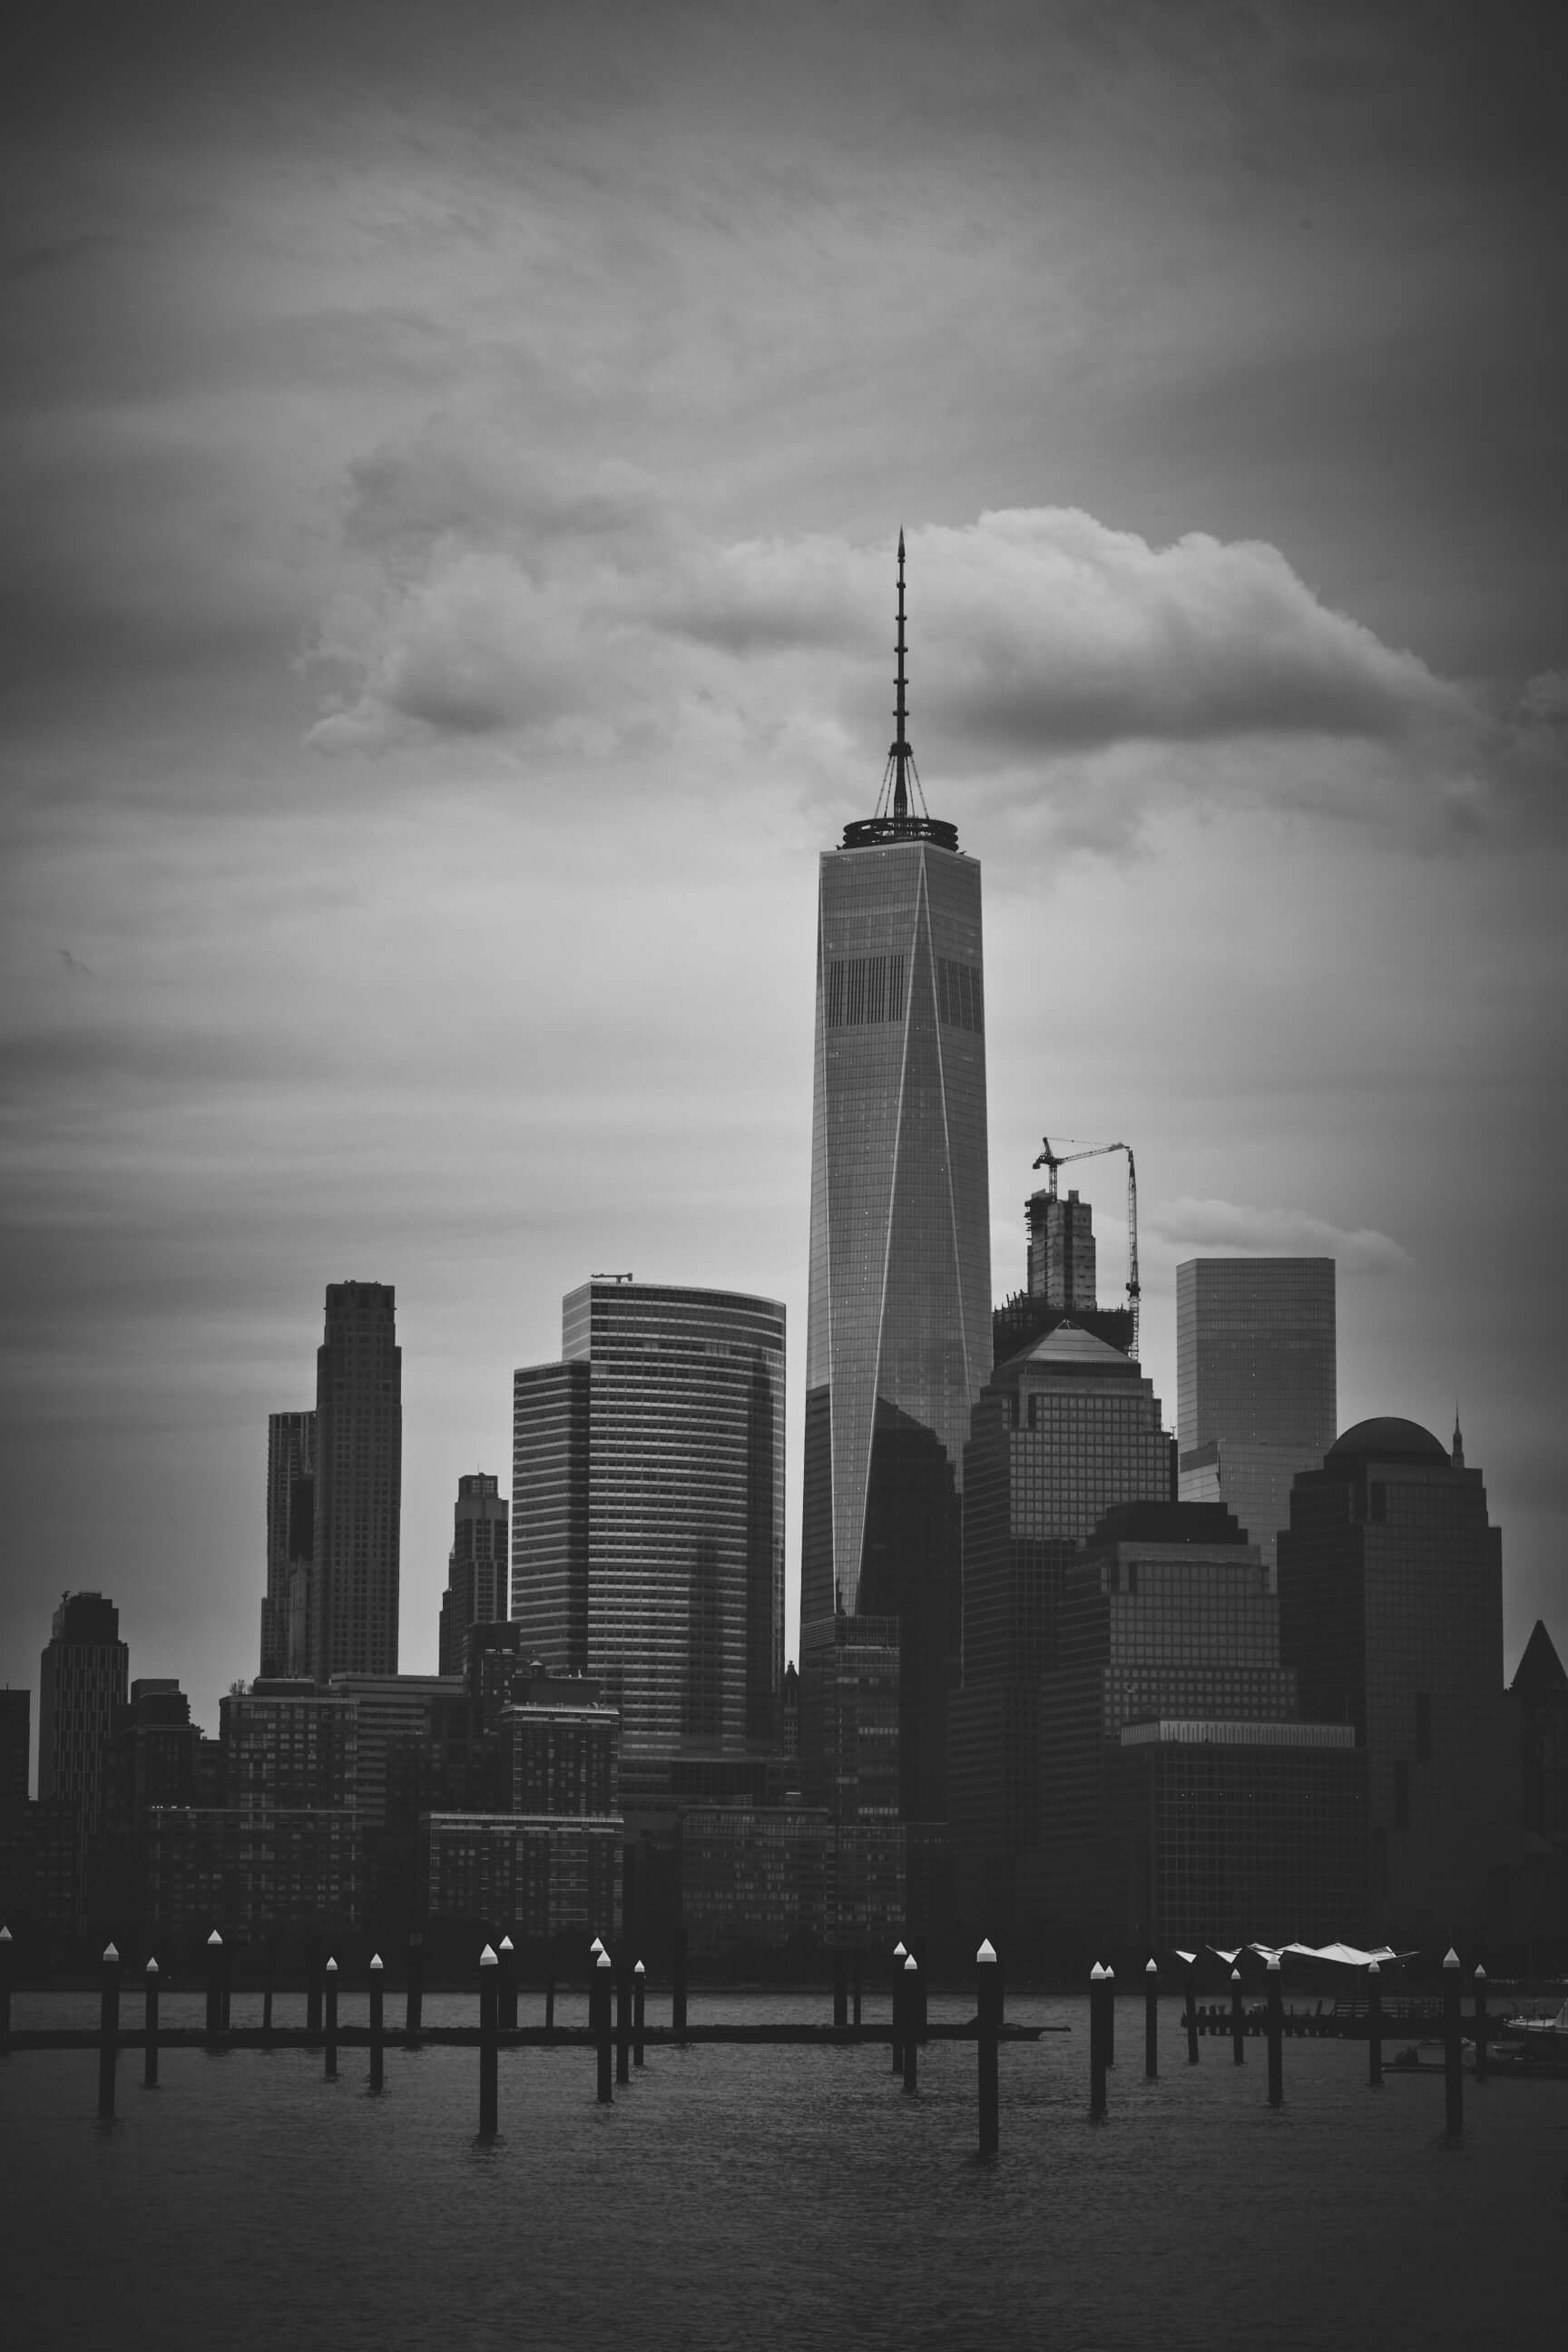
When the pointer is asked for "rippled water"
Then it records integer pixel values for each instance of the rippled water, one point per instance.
(746, 2196)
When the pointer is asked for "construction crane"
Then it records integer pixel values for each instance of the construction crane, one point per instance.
(1051, 1160)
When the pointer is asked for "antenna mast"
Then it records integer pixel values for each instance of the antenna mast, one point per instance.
(900, 751)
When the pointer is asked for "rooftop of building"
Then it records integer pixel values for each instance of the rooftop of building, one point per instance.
(1070, 1347)
(1168, 1522)
(1387, 1439)
(1540, 1672)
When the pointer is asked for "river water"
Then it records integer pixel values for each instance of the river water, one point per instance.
(741, 2196)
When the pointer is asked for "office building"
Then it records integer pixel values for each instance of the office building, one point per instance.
(154, 1754)
(358, 1485)
(15, 1751)
(898, 1331)
(1538, 1692)
(563, 1745)
(82, 1676)
(478, 1567)
(1065, 1432)
(290, 1543)
(1255, 1383)
(648, 1512)
(1391, 1615)
(412, 1732)
(288, 1747)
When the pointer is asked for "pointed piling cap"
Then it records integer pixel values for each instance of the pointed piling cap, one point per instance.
(910, 1963)
(5, 1935)
(152, 1967)
(1236, 1976)
(1274, 1966)
(986, 1955)
(597, 1946)
(331, 1968)
(1373, 1969)
(487, 1957)
(1152, 1968)
(1096, 1974)
(1480, 1974)
(110, 1954)
(638, 1970)
(375, 1963)
(1451, 1957)
(1109, 1973)
(603, 1961)
(901, 1951)
(214, 1938)
(506, 1944)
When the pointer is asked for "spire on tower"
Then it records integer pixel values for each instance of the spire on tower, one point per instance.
(1458, 1441)
(899, 752)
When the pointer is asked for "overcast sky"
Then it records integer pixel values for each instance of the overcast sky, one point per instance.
(452, 458)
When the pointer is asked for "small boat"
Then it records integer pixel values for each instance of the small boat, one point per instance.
(1556, 2026)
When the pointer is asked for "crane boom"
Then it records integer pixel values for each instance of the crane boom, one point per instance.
(1051, 1160)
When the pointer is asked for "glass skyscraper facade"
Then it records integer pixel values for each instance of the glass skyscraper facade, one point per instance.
(899, 1329)
(354, 1574)
(1255, 1382)
(290, 1543)
(648, 1512)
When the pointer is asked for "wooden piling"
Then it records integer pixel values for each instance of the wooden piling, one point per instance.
(623, 2022)
(506, 1985)
(1374, 2027)
(377, 2026)
(911, 2021)
(840, 1988)
(1238, 2021)
(601, 2025)
(901, 1954)
(107, 2032)
(1453, 2076)
(150, 2034)
(1193, 2010)
(639, 1992)
(489, 2045)
(8, 1964)
(1108, 1995)
(987, 2021)
(1482, 2024)
(1097, 2043)
(330, 2067)
(1151, 2022)
(215, 1985)
(1276, 2038)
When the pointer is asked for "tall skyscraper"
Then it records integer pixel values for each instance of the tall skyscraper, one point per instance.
(898, 1331)
(1391, 1612)
(1255, 1382)
(290, 1543)
(82, 1676)
(1064, 1432)
(478, 1567)
(647, 1511)
(358, 1484)
(15, 1746)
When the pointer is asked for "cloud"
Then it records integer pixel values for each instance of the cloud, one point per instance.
(485, 595)
(1237, 1230)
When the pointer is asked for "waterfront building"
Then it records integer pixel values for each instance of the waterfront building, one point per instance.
(154, 1753)
(412, 1732)
(1169, 1637)
(899, 1330)
(288, 1747)
(15, 1752)
(563, 1745)
(754, 1875)
(82, 1676)
(479, 1567)
(358, 1485)
(1065, 1431)
(1391, 1615)
(249, 1871)
(537, 1877)
(290, 1543)
(647, 1513)
(1255, 1383)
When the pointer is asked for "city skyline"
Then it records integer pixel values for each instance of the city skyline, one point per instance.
(455, 484)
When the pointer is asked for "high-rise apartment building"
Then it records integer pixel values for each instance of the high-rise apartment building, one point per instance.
(358, 1484)
(1391, 1613)
(82, 1675)
(1255, 1382)
(479, 1567)
(154, 1754)
(1065, 1432)
(899, 1332)
(290, 1543)
(647, 1511)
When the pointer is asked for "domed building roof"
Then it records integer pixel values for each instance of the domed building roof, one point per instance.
(1388, 1439)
